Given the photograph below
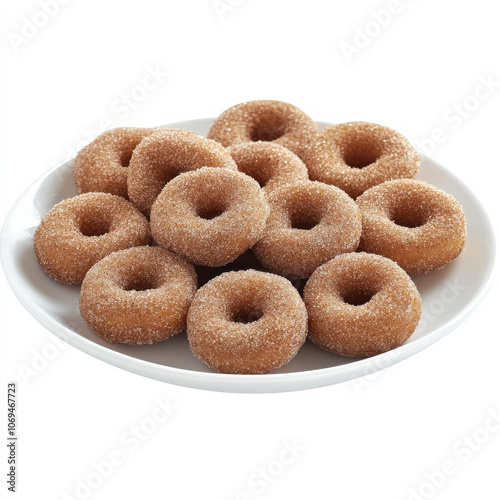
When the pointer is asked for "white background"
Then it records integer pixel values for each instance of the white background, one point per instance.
(377, 438)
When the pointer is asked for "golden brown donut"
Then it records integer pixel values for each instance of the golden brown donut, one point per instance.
(103, 164)
(265, 120)
(138, 296)
(416, 224)
(246, 322)
(309, 223)
(166, 154)
(269, 163)
(210, 216)
(355, 156)
(78, 232)
(360, 305)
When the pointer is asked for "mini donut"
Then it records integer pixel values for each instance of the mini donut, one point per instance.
(265, 120)
(361, 305)
(103, 164)
(210, 216)
(139, 295)
(416, 224)
(269, 163)
(166, 154)
(78, 232)
(355, 156)
(246, 322)
(309, 223)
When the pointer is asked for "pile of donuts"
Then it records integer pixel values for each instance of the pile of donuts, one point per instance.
(264, 233)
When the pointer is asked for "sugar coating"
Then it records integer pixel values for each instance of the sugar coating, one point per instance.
(246, 322)
(269, 163)
(419, 226)
(166, 154)
(78, 232)
(265, 120)
(138, 296)
(210, 216)
(251, 321)
(309, 223)
(388, 311)
(102, 165)
(355, 156)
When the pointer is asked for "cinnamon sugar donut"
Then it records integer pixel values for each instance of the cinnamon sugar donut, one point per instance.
(265, 120)
(102, 165)
(166, 154)
(269, 163)
(309, 223)
(138, 296)
(416, 224)
(210, 216)
(355, 156)
(246, 322)
(361, 305)
(78, 232)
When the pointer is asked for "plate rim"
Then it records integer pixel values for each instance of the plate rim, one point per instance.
(247, 383)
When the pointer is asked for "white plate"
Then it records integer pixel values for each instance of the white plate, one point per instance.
(448, 297)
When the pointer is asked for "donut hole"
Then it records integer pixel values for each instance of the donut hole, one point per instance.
(266, 134)
(140, 282)
(304, 219)
(409, 215)
(125, 157)
(360, 154)
(262, 180)
(357, 295)
(94, 226)
(267, 129)
(210, 209)
(245, 314)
